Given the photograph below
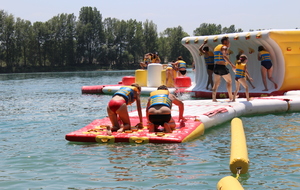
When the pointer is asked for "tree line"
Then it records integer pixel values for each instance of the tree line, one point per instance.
(65, 41)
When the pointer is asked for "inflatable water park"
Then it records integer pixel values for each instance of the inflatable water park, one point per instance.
(202, 114)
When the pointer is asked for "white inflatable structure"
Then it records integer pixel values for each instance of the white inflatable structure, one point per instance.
(283, 45)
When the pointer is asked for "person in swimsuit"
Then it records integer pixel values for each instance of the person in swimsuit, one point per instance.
(266, 66)
(209, 60)
(181, 65)
(220, 70)
(147, 61)
(159, 110)
(240, 76)
(117, 106)
(236, 62)
(170, 74)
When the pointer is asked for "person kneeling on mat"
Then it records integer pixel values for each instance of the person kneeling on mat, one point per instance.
(126, 95)
(159, 110)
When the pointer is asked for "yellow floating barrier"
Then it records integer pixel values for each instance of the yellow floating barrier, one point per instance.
(229, 183)
(239, 162)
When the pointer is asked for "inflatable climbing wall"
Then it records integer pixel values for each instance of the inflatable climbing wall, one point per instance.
(283, 45)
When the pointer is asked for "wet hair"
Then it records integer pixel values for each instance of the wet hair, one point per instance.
(137, 86)
(242, 59)
(180, 58)
(162, 87)
(238, 56)
(206, 48)
(225, 38)
(260, 48)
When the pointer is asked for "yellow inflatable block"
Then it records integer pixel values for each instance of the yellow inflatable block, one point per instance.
(239, 152)
(229, 183)
(141, 77)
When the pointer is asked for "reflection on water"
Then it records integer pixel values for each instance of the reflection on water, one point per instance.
(38, 109)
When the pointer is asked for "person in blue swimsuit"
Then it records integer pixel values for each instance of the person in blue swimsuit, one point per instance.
(210, 64)
(266, 66)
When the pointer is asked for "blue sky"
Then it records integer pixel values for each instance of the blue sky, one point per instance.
(251, 14)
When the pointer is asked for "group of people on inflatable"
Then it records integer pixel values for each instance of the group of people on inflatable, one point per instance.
(158, 109)
(217, 60)
(178, 66)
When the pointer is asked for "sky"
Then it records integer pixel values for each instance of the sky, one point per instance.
(189, 14)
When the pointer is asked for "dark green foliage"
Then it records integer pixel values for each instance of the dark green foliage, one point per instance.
(88, 42)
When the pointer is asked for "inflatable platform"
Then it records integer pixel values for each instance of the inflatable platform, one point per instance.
(200, 115)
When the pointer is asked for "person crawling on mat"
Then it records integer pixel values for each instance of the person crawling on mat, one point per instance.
(117, 106)
(159, 110)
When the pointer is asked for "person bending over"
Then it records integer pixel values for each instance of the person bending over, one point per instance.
(159, 110)
(181, 65)
(117, 106)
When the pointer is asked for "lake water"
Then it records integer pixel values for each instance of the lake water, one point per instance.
(37, 110)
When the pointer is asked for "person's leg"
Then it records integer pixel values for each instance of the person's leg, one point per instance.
(114, 121)
(263, 75)
(210, 77)
(237, 87)
(228, 80)
(124, 116)
(270, 72)
(244, 84)
(217, 81)
(170, 126)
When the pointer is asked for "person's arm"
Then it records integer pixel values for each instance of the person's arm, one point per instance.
(247, 74)
(258, 56)
(201, 47)
(139, 108)
(180, 104)
(225, 56)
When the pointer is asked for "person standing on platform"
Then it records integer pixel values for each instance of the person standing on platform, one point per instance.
(237, 60)
(170, 78)
(209, 60)
(240, 76)
(181, 65)
(117, 106)
(266, 66)
(220, 70)
(159, 110)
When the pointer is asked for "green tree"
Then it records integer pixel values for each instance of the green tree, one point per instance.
(208, 29)
(150, 36)
(90, 35)
(170, 44)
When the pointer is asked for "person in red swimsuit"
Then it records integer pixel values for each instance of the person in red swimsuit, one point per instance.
(117, 106)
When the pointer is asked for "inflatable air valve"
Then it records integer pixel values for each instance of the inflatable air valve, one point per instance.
(229, 183)
(239, 153)
(128, 80)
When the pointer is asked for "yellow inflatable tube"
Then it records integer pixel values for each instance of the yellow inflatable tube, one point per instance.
(229, 183)
(239, 153)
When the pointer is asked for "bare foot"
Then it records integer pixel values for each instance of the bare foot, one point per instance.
(151, 127)
(265, 89)
(167, 128)
(253, 87)
(215, 100)
(276, 86)
(108, 128)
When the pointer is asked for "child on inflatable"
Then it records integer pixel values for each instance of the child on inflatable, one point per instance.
(117, 106)
(240, 76)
